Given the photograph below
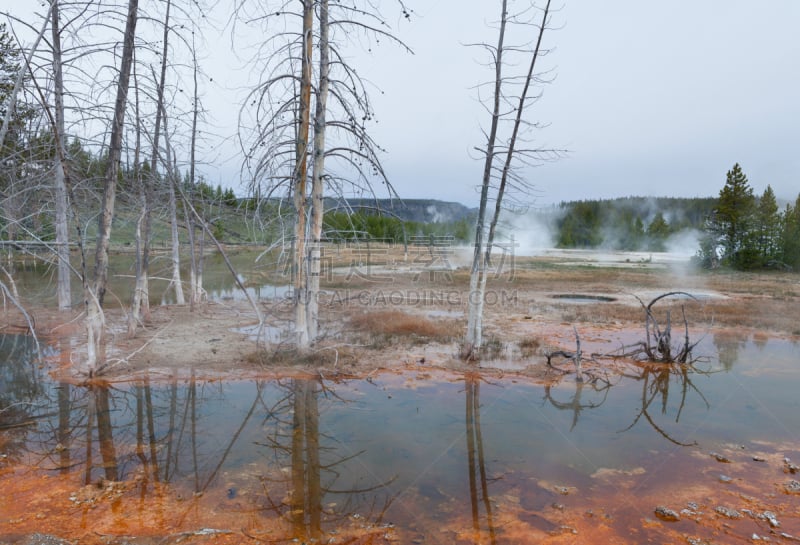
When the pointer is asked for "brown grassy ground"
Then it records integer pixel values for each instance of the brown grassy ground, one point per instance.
(400, 315)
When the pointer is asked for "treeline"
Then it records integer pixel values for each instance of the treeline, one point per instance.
(27, 212)
(629, 223)
(26, 203)
(339, 225)
(746, 232)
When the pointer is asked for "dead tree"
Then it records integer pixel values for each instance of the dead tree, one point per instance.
(62, 205)
(195, 252)
(317, 175)
(94, 296)
(503, 151)
(281, 144)
(657, 347)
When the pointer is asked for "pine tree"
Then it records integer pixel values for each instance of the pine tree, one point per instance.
(790, 235)
(16, 141)
(767, 228)
(11, 62)
(657, 233)
(732, 219)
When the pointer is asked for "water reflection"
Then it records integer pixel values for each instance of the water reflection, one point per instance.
(656, 380)
(476, 462)
(728, 345)
(315, 459)
(260, 442)
(21, 387)
(315, 465)
(598, 387)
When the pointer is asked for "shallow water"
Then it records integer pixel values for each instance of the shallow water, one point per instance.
(36, 279)
(412, 457)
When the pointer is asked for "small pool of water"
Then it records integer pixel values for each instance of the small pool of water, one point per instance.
(420, 458)
(265, 291)
(582, 298)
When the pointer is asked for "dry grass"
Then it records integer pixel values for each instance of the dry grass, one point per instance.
(396, 323)
(560, 278)
(762, 313)
(767, 284)
(529, 347)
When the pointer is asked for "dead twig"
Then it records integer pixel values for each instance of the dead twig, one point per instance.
(576, 357)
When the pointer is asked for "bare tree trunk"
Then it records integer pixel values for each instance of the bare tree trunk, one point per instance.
(300, 178)
(176, 242)
(95, 320)
(140, 302)
(523, 98)
(141, 297)
(140, 290)
(477, 279)
(193, 291)
(195, 270)
(170, 173)
(63, 289)
(317, 175)
(198, 280)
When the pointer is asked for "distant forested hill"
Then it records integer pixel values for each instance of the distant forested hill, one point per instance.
(416, 210)
(397, 220)
(629, 223)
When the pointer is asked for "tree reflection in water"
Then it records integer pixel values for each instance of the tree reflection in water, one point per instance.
(100, 408)
(656, 379)
(20, 379)
(315, 467)
(476, 460)
(576, 404)
(141, 443)
(21, 390)
(728, 345)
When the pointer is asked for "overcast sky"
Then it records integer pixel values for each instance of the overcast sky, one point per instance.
(651, 98)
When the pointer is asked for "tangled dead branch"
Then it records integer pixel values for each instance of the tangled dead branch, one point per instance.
(657, 346)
